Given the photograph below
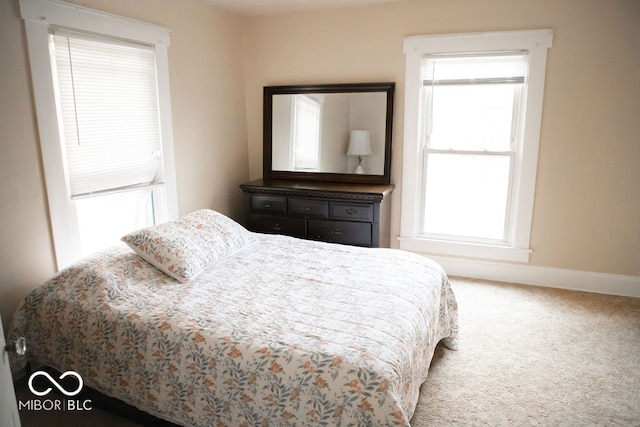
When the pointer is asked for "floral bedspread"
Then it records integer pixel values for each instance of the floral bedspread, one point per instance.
(285, 332)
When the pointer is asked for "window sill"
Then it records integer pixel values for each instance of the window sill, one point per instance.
(465, 249)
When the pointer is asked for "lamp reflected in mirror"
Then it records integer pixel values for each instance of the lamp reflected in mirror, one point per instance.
(360, 146)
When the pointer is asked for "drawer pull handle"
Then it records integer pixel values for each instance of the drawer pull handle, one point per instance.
(337, 232)
(307, 209)
(267, 205)
(351, 211)
(276, 227)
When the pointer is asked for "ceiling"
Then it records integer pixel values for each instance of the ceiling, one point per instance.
(267, 7)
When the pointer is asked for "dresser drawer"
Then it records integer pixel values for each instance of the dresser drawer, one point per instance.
(352, 233)
(268, 204)
(352, 211)
(309, 208)
(277, 225)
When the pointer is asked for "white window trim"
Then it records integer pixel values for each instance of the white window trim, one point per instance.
(536, 42)
(40, 17)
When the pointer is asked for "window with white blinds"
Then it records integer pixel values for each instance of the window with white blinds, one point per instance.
(102, 98)
(108, 103)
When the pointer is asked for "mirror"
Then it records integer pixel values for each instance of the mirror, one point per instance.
(339, 132)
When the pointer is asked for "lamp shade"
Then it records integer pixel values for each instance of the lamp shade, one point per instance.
(359, 143)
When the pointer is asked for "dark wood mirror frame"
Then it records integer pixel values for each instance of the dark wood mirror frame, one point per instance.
(270, 91)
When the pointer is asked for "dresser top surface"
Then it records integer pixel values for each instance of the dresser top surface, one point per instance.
(318, 186)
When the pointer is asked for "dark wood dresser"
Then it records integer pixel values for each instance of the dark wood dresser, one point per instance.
(351, 214)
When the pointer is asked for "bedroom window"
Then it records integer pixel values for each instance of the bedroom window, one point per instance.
(102, 101)
(469, 168)
(473, 108)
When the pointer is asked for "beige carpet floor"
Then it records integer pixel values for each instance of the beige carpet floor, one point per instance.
(533, 356)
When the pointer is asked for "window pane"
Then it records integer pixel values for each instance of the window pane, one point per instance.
(466, 195)
(103, 220)
(472, 117)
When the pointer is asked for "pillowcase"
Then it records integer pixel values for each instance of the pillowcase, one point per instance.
(185, 247)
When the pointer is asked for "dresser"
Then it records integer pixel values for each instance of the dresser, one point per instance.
(351, 214)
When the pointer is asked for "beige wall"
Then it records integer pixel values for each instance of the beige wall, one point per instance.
(207, 89)
(587, 206)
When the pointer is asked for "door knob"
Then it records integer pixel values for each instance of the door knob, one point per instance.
(19, 346)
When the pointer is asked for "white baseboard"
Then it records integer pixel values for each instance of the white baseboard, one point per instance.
(577, 280)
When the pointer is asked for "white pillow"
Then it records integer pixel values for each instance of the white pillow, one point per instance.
(185, 247)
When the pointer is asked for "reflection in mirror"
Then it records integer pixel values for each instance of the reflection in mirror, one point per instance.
(329, 132)
(311, 132)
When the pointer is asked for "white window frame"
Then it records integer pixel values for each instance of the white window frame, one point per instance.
(43, 16)
(535, 43)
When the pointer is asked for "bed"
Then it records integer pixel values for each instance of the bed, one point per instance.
(201, 322)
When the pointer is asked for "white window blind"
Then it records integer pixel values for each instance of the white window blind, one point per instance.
(107, 94)
(473, 69)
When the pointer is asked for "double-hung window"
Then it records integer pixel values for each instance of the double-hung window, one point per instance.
(101, 91)
(472, 120)
(472, 106)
